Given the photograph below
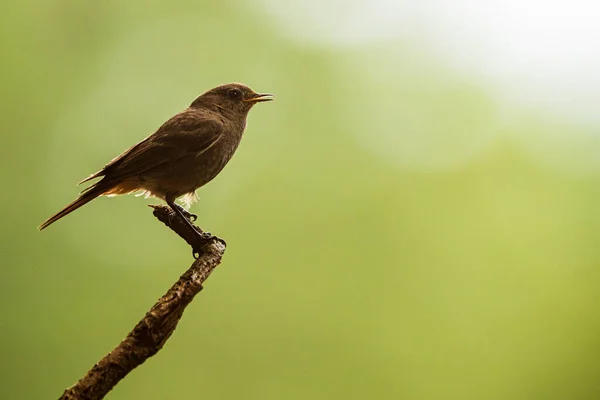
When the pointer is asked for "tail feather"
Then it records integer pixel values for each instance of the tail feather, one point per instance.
(85, 197)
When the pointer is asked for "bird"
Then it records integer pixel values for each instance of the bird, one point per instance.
(182, 155)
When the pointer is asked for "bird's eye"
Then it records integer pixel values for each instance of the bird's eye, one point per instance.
(235, 93)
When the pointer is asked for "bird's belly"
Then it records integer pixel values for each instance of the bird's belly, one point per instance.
(203, 172)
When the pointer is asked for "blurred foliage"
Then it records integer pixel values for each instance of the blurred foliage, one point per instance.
(388, 235)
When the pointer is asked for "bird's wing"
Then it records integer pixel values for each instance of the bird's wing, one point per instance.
(183, 134)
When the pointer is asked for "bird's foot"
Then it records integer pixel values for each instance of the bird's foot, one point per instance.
(187, 214)
(203, 239)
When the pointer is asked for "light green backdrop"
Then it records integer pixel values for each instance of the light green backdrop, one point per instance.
(389, 236)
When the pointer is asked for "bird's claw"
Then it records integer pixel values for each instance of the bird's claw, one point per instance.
(204, 237)
(190, 216)
(187, 214)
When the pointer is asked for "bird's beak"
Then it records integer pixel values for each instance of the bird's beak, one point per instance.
(258, 97)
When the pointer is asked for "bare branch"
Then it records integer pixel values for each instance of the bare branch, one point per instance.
(151, 333)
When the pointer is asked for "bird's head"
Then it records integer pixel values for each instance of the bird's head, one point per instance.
(231, 97)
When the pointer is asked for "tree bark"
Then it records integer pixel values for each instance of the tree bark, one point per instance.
(151, 333)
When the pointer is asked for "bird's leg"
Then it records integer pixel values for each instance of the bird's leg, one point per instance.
(186, 213)
(202, 236)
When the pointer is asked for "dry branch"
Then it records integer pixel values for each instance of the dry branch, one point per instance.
(151, 333)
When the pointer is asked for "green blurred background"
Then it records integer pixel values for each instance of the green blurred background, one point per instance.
(397, 226)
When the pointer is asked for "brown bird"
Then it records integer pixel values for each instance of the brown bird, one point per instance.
(185, 153)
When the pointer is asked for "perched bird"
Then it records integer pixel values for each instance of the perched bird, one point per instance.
(185, 153)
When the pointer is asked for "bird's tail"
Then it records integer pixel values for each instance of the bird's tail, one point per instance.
(85, 197)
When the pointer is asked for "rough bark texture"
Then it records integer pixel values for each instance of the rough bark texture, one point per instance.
(151, 333)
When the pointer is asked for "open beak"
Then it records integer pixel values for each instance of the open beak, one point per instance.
(258, 97)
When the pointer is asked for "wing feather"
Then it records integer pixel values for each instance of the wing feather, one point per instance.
(185, 133)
